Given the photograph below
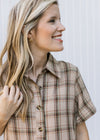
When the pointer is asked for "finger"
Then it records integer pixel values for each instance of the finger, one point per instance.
(17, 95)
(12, 91)
(6, 90)
(20, 99)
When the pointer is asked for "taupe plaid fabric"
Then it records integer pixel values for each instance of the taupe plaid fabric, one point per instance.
(60, 102)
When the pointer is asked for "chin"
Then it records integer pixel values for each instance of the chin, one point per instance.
(58, 50)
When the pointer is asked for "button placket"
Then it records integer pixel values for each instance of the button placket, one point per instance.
(39, 113)
(39, 108)
(41, 92)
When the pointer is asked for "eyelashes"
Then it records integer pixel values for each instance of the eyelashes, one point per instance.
(54, 20)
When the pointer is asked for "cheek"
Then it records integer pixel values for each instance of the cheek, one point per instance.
(45, 38)
(46, 31)
(44, 35)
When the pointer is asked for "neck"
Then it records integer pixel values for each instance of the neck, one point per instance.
(40, 60)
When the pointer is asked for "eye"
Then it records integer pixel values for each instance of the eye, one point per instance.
(52, 20)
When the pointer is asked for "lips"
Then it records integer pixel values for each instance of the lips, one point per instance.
(58, 38)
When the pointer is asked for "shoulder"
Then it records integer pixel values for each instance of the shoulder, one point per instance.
(67, 71)
(62, 65)
(63, 68)
(66, 66)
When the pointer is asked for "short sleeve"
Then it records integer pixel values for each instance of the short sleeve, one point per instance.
(84, 105)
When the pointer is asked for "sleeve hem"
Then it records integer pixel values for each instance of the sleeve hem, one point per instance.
(86, 118)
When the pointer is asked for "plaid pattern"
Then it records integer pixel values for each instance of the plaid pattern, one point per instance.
(60, 102)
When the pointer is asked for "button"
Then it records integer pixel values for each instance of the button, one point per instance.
(40, 129)
(39, 107)
(40, 87)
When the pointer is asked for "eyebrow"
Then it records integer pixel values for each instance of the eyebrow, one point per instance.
(54, 17)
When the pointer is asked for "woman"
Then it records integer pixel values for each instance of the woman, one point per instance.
(41, 98)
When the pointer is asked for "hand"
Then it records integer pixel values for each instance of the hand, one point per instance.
(9, 101)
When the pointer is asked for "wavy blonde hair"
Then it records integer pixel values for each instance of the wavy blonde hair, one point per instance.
(26, 13)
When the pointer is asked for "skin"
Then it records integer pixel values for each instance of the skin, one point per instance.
(41, 43)
(82, 132)
(9, 102)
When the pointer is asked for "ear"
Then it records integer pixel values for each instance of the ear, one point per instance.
(31, 34)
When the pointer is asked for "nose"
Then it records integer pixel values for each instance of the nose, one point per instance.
(61, 27)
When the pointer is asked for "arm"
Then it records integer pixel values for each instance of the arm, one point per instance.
(82, 132)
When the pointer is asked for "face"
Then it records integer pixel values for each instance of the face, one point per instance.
(49, 31)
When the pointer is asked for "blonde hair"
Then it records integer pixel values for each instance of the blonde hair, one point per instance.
(26, 13)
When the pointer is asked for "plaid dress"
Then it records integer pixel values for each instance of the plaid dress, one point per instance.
(61, 101)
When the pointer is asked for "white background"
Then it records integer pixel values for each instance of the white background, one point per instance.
(81, 46)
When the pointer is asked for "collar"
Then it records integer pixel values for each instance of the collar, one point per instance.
(52, 66)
